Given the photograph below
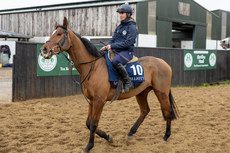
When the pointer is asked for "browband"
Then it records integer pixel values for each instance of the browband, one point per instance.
(60, 26)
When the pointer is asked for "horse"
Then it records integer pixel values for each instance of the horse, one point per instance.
(225, 43)
(91, 65)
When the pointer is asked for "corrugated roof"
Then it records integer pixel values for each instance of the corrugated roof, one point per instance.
(7, 34)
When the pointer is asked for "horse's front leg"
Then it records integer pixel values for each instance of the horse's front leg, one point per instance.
(99, 132)
(95, 110)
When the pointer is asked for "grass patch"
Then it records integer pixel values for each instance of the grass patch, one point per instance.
(227, 82)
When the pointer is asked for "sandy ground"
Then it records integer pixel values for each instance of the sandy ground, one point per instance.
(57, 125)
(5, 85)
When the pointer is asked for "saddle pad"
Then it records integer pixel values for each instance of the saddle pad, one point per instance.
(135, 71)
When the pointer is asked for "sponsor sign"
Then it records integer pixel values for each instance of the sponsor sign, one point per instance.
(56, 65)
(199, 59)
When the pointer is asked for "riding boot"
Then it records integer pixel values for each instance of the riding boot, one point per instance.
(125, 77)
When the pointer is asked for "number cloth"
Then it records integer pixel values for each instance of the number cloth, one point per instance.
(135, 71)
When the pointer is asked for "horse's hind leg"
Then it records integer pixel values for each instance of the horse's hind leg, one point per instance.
(144, 110)
(168, 110)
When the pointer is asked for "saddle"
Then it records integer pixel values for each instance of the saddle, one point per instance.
(133, 67)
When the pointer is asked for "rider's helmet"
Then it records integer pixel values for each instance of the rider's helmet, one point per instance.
(125, 8)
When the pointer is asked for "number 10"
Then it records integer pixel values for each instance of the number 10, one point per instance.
(138, 69)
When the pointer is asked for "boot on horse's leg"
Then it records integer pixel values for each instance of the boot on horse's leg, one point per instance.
(125, 77)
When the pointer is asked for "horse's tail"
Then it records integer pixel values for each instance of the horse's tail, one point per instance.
(174, 111)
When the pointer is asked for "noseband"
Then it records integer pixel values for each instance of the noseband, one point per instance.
(60, 44)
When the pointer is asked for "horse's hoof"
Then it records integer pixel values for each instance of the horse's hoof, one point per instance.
(110, 140)
(84, 151)
(130, 140)
(165, 138)
(130, 137)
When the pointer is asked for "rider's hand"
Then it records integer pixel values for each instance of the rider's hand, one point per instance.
(103, 48)
(108, 47)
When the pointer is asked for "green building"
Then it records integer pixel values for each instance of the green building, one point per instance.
(161, 23)
(174, 22)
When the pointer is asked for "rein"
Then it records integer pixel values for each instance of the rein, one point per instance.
(71, 64)
(60, 44)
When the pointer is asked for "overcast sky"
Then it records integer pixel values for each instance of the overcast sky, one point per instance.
(9, 4)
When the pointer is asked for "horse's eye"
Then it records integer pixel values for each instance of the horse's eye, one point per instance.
(59, 34)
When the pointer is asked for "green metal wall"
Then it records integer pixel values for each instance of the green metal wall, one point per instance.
(216, 26)
(167, 13)
(164, 34)
(199, 37)
(168, 10)
(142, 17)
(228, 25)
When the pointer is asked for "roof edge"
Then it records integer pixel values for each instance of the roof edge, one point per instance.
(93, 3)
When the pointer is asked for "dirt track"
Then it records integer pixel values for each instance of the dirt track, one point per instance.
(58, 124)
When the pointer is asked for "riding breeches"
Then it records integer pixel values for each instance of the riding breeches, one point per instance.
(119, 58)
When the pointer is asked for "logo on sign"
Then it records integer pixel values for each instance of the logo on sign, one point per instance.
(212, 59)
(47, 65)
(188, 60)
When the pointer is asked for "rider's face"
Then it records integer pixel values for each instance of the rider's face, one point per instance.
(122, 16)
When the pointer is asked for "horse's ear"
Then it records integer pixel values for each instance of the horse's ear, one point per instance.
(65, 22)
(56, 24)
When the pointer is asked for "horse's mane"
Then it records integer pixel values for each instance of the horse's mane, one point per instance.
(89, 46)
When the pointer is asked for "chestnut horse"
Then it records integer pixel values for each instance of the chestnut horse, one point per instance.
(92, 67)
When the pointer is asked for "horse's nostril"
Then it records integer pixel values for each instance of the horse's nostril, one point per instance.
(44, 50)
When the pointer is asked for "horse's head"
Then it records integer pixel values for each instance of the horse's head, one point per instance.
(58, 41)
(225, 43)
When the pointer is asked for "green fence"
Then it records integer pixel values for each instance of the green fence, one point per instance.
(206, 67)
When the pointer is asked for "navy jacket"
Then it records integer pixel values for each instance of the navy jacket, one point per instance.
(124, 37)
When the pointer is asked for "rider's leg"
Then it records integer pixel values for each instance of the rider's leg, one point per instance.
(125, 77)
(118, 62)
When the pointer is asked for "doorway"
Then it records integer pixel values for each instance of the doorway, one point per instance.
(182, 32)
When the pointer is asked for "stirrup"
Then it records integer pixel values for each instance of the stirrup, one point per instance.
(126, 89)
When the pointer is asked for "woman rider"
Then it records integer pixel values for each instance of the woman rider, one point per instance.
(123, 41)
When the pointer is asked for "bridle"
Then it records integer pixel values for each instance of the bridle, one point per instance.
(71, 64)
(61, 43)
